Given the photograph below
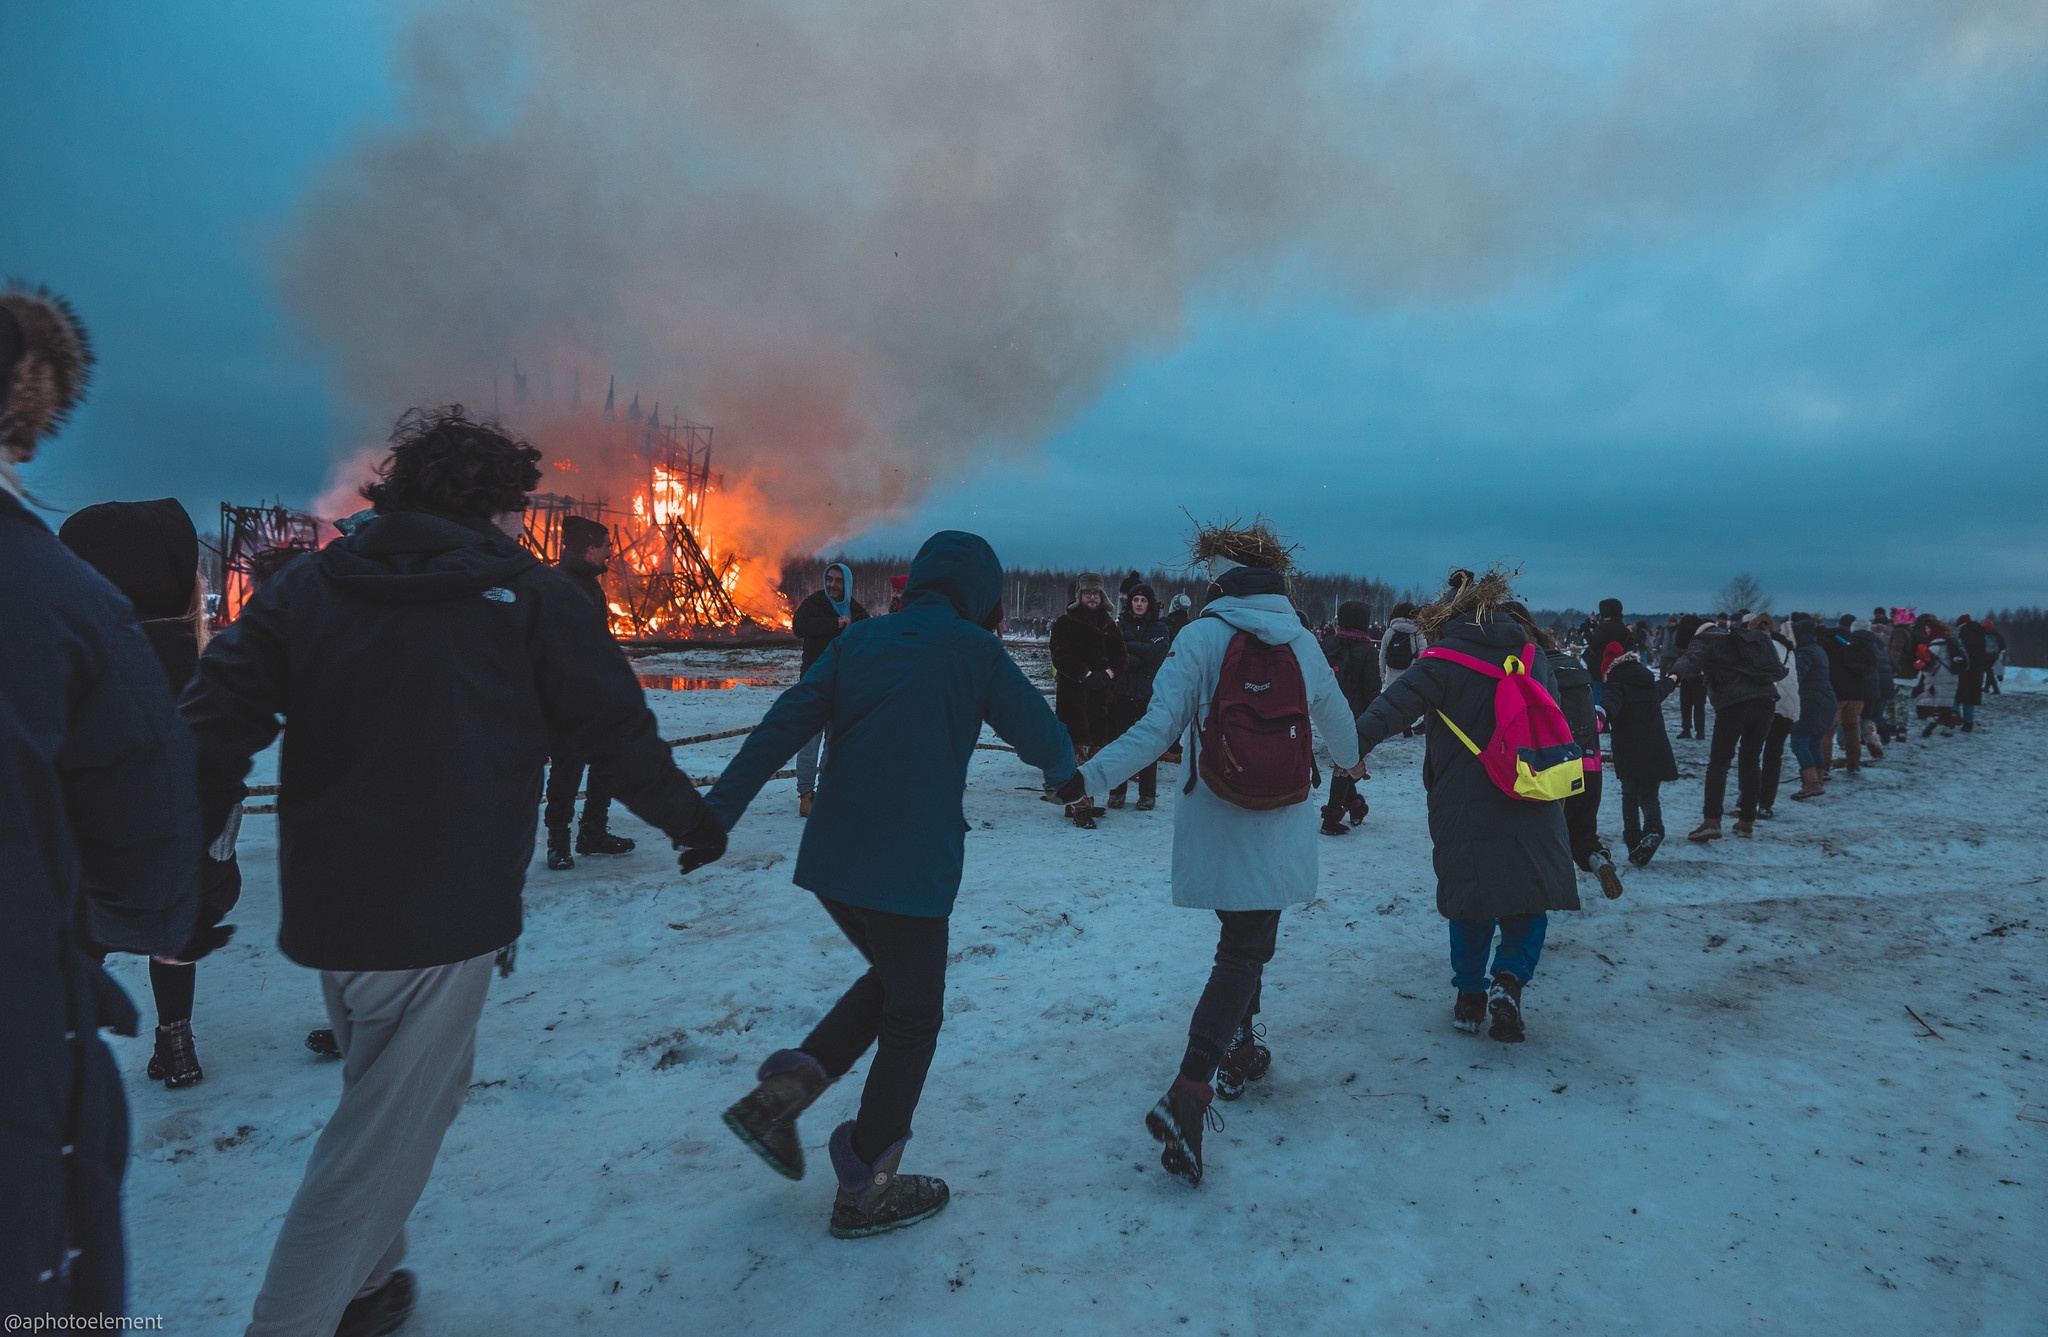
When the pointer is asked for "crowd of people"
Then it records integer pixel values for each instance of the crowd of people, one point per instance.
(439, 683)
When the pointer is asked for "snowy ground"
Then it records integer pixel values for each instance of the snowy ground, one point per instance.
(1724, 1119)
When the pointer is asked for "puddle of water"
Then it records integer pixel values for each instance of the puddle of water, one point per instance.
(670, 682)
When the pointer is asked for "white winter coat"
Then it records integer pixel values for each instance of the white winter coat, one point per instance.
(1226, 857)
(1788, 686)
(1387, 675)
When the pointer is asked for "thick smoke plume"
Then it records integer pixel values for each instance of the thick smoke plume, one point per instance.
(874, 242)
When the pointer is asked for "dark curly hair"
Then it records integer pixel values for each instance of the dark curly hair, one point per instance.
(445, 461)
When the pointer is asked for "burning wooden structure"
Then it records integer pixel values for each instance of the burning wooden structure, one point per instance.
(245, 532)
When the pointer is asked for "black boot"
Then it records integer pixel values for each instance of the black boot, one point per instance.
(1505, 998)
(558, 848)
(594, 839)
(765, 1118)
(875, 1198)
(1468, 1012)
(323, 1043)
(382, 1311)
(1084, 813)
(1646, 849)
(1176, 1122)
(176, 1061)
(1333, 820)
(1247, 1061)
(1117, 796)
(1147, 802)
(1610, 880)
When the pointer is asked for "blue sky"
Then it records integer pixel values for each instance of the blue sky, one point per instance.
(1844, 393)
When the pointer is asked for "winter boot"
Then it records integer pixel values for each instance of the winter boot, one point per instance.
(875, 1198)
(1247, 1061)
(1610, 880)
(1505, 998)
(1147, 802)
(1745, 826)
(1117, 796)
(1358, 809)
(176, 1061)
(1646, 849)
(1809, 784)
(1969, 726)
(1083, 813)
(595, 839)
(1333, 820)
(765, 1118)
(382, 1311)
(1708, 829)
(1176, 1122)
(803, 804)
(1870, 745)
(558, 849)
(1468, 1012)
(323, 1043)
(1764, 813)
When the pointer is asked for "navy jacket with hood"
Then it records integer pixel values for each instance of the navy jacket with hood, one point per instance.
(424, 668)
(99, 830)
(904, 698)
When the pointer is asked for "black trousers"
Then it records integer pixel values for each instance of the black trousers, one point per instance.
(1773, 760)
(1641, 811)
(565, 777)
(1740, 729)
(1123, 713)
(1582, 822)
(1243, 948)
(1692, 706)
(897, 1007)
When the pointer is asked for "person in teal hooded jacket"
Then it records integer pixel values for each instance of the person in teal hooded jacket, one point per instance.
(902, 700)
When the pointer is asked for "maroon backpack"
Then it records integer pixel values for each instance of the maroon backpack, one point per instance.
(1256, 749)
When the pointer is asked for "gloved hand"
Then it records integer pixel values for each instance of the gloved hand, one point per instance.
(1072, 789)
(204, 941)
(703, 843)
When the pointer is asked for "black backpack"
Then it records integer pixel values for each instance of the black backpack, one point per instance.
(1400, 651)
(1754, 656)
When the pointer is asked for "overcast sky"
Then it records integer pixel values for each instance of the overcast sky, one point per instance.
(1841, 386)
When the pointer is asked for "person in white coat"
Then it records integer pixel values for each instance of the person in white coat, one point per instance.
(1245, 865)
(1782, 720)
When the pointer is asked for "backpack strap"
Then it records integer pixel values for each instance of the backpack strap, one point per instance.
(1470, 746)
(1515, 664)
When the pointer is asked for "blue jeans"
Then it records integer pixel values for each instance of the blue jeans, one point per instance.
(1804, 750)
(1521, 943)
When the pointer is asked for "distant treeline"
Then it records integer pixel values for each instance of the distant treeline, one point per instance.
(2026, 635)
(1045, 592)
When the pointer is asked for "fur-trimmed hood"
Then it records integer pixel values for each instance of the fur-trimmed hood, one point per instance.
(45, 362)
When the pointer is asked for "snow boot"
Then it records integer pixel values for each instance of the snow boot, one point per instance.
(1358, 809)
(176, 1061)
(1505, 998)
(1246, 1061)
(1116, 798)
(1176, 1123)
(1764, 813)
(1870, 745)
(382, 1311)
(1468, 1012)
(323, 1043)
(1646, 849)
(1147, 803)
(875, 1198)
(1708, 829)
(558, 849)
(765, 1118)
(595, 839)
(1969, 726)
(803, 804)
(1745, 826)
(1083, 813)
(1333, 820)
(1610, 880)
(1809, 784)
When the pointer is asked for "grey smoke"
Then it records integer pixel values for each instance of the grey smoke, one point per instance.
(873, 241)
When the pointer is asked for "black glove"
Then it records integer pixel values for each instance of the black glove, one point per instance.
(703, 843)
(1072, 789)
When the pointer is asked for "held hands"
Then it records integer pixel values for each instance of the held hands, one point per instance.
(845, 622)
(703, 843)
(1356, 772)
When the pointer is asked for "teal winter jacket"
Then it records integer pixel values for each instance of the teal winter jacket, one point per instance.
(902, 699)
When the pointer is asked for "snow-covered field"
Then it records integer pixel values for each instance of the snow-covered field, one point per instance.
(1725, 1118)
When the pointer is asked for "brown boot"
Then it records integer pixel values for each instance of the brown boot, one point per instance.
(1708, 829)
(1744, 826)
(1809, 784)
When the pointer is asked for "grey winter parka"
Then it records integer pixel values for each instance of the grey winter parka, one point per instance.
(1495, 856)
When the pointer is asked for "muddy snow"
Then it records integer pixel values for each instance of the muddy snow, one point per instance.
(1797, 1083)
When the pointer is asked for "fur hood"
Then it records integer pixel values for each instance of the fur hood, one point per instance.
(45, 362)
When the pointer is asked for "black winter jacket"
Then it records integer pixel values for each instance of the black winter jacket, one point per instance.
(1852, 667)
(1609, 629)
(816, 622)
(1146, 640)
(1574, 695)
(1719, 655)
(99, 827)
(1634, 701)
(1494, 855)
(590, 580)
(1085, 646)
(1817, 703)
(423, 667)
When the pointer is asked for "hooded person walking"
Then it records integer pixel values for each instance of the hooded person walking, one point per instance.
(1400, 645)
(902, 700)
(1574, 692)
(1250, 683)
(150, 552)
(1643, 762)
(1146, 641)
(1817, 705)
(1088, 656)
(586, 556)
(1356, 662)
(1502, 862)
(1741, 668)
(818, 620)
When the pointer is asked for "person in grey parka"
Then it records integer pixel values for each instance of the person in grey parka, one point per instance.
(1500, 861)
(1245, 865)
